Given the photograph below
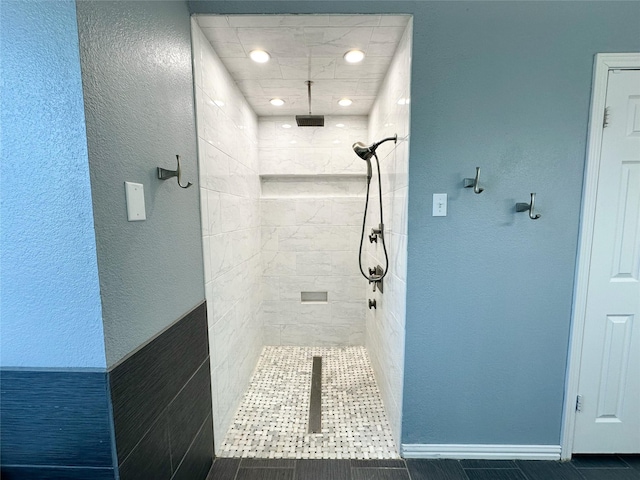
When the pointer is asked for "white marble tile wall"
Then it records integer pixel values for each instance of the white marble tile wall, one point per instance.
(311, 211)
(274, 186)
(385, 326)
(230, 207)
(289, 39)
(293, 150)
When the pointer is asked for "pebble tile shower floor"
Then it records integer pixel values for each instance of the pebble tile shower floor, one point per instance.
(272, 421)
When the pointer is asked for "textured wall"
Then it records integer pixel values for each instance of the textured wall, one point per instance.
(230, 191)
(311, 231)
(504, 86)
(51, 313)
(137, 80)
(386, 324)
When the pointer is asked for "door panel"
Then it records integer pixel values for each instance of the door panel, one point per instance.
(610, 366)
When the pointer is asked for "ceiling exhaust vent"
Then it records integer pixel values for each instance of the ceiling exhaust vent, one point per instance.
(310, 120)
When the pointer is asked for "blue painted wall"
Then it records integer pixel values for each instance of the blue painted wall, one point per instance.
(138, 88)
(51, 312)
(504, 86)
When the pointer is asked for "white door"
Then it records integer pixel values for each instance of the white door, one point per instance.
(608, 420)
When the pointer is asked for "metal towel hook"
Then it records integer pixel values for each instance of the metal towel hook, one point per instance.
(164, 174)
(474, 182)
(523, 207)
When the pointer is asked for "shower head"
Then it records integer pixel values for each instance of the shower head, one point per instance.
(365, 152)
(310, 120)
(362, 150)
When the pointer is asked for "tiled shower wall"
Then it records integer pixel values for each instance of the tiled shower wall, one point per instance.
(311, 210)
(230, 206)
(281, 213)
(385, 326)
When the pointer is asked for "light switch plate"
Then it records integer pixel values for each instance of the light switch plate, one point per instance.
(439, 205)
(134, 194)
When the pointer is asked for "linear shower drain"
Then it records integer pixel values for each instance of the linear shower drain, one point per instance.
(315, 401)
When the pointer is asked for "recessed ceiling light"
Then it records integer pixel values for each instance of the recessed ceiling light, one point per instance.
(259, 56)
(276, 102)
(354, 56)
(345, 102)
(340, 125)
(292, 142)
(286, 125)
(336, 141)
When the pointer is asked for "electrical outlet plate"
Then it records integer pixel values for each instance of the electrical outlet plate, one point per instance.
(134, 193)
(439, 205)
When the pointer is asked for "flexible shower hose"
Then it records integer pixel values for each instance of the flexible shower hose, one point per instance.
(364, 222)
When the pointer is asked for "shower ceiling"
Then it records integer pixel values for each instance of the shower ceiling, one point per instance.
(306, 47)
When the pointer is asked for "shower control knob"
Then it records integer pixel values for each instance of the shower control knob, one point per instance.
(372, 304)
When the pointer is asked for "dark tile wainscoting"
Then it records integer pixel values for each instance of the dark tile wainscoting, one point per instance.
(151, 412)
(161, 398)
(55, 424)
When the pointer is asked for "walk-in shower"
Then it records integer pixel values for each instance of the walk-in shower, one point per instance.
(282, 219)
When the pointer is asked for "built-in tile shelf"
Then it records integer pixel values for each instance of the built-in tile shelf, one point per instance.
(314, 297)
(290, 185)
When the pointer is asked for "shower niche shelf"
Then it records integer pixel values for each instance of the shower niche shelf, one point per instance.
(321, 185)
(314, 297)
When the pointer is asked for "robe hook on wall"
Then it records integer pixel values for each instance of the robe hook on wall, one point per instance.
(474, 182)
(523, 207)
(164, 174)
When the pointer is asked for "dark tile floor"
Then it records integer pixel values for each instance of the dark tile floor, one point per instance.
(590, 467)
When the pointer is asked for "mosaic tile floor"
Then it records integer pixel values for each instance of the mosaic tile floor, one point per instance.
(272, 421)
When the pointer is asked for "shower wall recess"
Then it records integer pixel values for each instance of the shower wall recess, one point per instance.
(312, 203)
(385, 326)
(230, 208)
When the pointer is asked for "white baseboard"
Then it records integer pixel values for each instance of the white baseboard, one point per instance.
(492, 452)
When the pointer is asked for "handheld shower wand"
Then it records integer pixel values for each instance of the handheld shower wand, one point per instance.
(365, 152)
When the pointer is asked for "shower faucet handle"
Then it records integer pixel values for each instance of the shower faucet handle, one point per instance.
(375, 233)
(375, 276)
